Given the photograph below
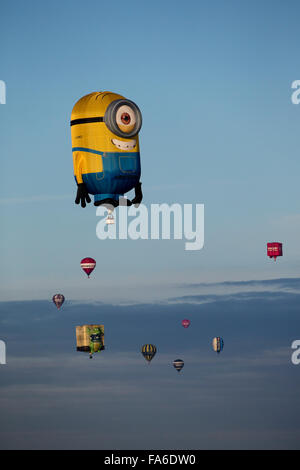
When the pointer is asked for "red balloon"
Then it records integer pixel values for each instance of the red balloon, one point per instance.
(185, 323)
(88, 265)
(274, 249)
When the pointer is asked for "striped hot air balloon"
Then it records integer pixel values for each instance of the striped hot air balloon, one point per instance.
(178, 364)
(58, 300)
(148, 351)
(88, 265)
(217, 344)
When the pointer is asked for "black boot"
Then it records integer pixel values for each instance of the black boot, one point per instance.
(138, 195)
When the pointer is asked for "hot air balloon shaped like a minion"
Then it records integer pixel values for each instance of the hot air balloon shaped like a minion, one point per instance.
(105, 146)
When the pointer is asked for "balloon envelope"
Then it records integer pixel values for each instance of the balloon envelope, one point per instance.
(185, 323)
(217, 344)
(107, 158)
(88, 265)
(90, 338)
(58, 300)
(274, 249)
(148, 351)
(178, 364)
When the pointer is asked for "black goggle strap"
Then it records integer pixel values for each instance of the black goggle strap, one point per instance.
(86, 120)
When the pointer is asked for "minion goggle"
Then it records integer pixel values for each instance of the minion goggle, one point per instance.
(122, 117)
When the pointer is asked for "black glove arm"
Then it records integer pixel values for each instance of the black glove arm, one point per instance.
(82, 195)
(138, 195)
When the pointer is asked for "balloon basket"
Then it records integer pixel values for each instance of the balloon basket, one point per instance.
(110, 218)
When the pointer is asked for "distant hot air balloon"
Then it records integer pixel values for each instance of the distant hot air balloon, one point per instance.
(58, 299)
(148, 351)
(185, 323)
(274, 249)
(178, 364)
(88, 265)
(90, 339)
(217, 344)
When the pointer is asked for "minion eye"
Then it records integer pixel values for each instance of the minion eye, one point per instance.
(123, 118)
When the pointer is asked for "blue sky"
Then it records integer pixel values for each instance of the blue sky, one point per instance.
(213, 81)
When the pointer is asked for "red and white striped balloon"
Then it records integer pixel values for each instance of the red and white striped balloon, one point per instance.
(88, 265)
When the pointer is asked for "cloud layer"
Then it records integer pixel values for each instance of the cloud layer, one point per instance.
(246, 397)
